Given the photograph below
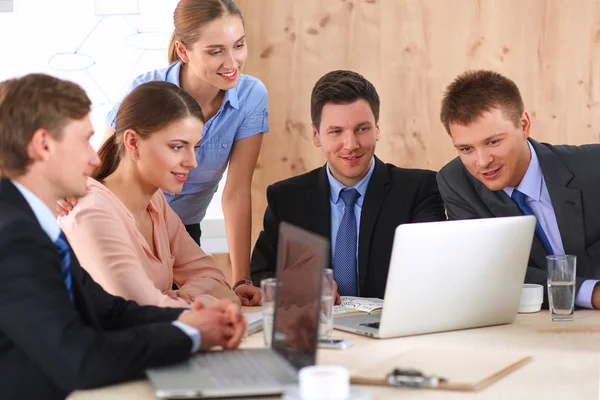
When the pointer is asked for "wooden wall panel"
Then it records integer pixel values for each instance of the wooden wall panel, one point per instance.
(410, 50)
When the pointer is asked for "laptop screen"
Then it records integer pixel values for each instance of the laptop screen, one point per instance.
(301, 260)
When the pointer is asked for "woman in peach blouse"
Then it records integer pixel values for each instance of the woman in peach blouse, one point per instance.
(123, 231)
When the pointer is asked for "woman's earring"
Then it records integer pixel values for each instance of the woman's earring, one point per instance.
(134, 158)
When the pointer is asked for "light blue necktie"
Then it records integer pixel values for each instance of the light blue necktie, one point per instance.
(344, 259)
(519, 198)
(64, 251)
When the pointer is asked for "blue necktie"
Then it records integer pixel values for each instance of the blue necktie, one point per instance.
(519, 198)
(64, 251)
(344, 259)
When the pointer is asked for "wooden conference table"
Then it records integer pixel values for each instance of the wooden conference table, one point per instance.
(566, 360)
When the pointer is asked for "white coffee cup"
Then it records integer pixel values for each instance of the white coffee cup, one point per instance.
(324, 382)
(532, 297)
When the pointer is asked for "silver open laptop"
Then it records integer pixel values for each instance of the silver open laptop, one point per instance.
(302, 257)
(451, 275)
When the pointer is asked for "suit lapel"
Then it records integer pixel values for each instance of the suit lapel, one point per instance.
(318, 198)
(566, 201)
(375, 195)
(14, 197)
(501, 205)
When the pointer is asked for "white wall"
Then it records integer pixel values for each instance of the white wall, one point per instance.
(100, 44)
(6, 6)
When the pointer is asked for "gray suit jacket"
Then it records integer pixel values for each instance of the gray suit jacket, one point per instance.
(572, 175)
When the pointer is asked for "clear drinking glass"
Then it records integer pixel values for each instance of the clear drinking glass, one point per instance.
(561, 286)
(326, 314)
(269, 288)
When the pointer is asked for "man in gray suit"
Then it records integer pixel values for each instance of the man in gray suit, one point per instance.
(500, 171)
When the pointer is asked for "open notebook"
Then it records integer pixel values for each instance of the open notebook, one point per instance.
(358, 305)
(350, 306)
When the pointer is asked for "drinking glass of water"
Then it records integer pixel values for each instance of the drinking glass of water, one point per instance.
(269, 288)
(561, 286)
(326, 313)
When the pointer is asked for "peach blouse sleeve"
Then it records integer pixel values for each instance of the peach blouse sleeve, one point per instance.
(105, 242)
(193, 270)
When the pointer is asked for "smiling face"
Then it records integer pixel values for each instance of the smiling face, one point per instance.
(166, 156)
(493, 149)
(219, 55)
(347, 135)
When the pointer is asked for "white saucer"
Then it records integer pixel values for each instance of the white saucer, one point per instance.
(355, 394)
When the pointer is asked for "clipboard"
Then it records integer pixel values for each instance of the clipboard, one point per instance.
(441, 369)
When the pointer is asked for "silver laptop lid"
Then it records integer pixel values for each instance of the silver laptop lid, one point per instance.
(301, 260)
(456, 274)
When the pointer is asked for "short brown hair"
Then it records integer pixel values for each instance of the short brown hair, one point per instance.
(32, 102)
(475, 92)
(191, 16)
(146, 109)
(342, 87)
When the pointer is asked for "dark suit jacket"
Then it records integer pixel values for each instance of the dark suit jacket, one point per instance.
(50, 346)
(394, 196)
(572, 176)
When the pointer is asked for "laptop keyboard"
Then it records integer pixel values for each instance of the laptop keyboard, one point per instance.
(239, 368)
(374, 325)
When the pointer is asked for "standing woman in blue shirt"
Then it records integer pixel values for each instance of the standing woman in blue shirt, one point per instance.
(206, 55)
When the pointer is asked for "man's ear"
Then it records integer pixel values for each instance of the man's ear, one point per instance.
(378, 133)
(182, 51)
(40, 146)
(525, 124)
(316, 136)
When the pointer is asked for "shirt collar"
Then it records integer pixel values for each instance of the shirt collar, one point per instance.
(336, 186)
(531, 184)
(173, 74)
(43, 214)
(231, 95)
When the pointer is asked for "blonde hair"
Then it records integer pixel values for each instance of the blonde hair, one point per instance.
(190, 16)
(478, 91)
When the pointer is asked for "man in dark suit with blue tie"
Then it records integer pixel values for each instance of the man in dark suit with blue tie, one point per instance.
(59, 330)
(500, 171)
(354, 199)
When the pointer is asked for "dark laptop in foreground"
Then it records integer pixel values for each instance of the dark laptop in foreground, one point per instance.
(302, 257)
(450, 275)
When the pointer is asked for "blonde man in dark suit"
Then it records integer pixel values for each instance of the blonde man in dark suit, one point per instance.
(501, 171)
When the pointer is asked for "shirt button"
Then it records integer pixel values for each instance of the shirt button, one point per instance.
(224, 145)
